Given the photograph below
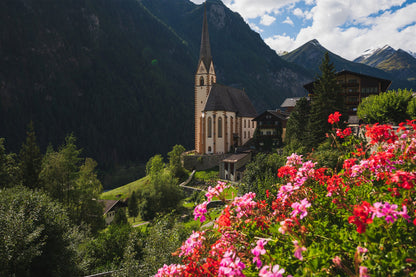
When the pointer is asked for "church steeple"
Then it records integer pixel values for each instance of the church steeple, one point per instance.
(205, 78)
(205, 52)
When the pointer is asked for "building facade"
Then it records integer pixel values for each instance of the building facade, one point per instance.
(355, 87)
(223, 115)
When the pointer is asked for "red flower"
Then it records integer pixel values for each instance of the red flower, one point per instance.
(380, 133)
(361, 217)
(287, 170)
(334, 118)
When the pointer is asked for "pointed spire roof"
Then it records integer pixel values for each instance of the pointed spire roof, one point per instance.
(205, 52)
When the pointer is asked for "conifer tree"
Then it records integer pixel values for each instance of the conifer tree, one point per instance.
(30, 160)
(296, 129)
(326, 99)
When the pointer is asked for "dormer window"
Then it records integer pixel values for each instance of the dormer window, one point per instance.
(201, 81)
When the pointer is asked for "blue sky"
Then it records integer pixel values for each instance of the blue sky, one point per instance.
(345, 27)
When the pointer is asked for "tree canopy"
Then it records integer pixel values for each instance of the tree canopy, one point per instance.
(387, 107)
(37, 238)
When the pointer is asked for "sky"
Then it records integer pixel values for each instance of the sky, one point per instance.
(344, 27)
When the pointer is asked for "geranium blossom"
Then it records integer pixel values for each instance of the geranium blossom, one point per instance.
(371, 193)
(200, 211)
(216, 191)
(244, 204)
(193, 242)
(173, 270)
(231, 265)
(300, 208)
(257, 251)
(275, 271)
(334, 118)
(298, 250)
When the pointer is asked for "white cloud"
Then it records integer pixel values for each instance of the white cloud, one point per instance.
(331, 16)
(255, 28)
(288, 21)
(267, 20)
(298, 12)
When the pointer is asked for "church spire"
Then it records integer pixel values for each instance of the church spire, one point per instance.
(205, 52)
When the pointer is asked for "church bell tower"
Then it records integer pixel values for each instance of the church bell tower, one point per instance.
(204, 79)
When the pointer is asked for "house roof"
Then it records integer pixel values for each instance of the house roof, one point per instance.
(276, 113)
(223, 98)
(110, 204)
(235, 158)
(291, 102)
(384, 82)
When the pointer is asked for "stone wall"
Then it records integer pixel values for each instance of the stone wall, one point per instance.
(192, 161)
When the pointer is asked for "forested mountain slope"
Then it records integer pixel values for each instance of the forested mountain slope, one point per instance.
(119, 74)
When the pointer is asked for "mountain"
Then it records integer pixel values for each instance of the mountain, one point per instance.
(310, 55)
(375, 56)
(241, 58)
(99, 69)
(398, 63)
(411, 53)
(120, 74)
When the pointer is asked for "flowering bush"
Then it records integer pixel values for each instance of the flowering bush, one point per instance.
(359, 221)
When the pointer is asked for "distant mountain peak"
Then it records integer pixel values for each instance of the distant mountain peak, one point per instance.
(314, 42)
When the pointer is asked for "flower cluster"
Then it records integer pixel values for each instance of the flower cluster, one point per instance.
(318, 220)
(334, 118)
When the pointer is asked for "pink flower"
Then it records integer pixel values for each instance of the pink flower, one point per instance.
(362, 249)
(337, 261)
(300, 208)
(213, 192)
(389, 211)
(244, 204)
(171, 270)
(364, 272)
(298, 250)
(200, 211)
(285, 225)
(257, 251)
(231, 265)
(294, 159)
(276, 271)
(193, 242)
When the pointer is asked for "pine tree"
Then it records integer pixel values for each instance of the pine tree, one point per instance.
(326, 99)
(30, 160)
(296, 129)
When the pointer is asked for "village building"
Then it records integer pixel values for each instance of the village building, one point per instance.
(355, 87)
(271, 129)
(289, 104)
(110, 209)
(223, 115)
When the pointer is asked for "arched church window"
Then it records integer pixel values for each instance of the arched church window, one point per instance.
(209, 127)
(244, 123)
(209, 149)
(201, 81)
(219, 127)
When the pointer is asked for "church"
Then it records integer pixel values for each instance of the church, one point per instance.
(223, 115)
